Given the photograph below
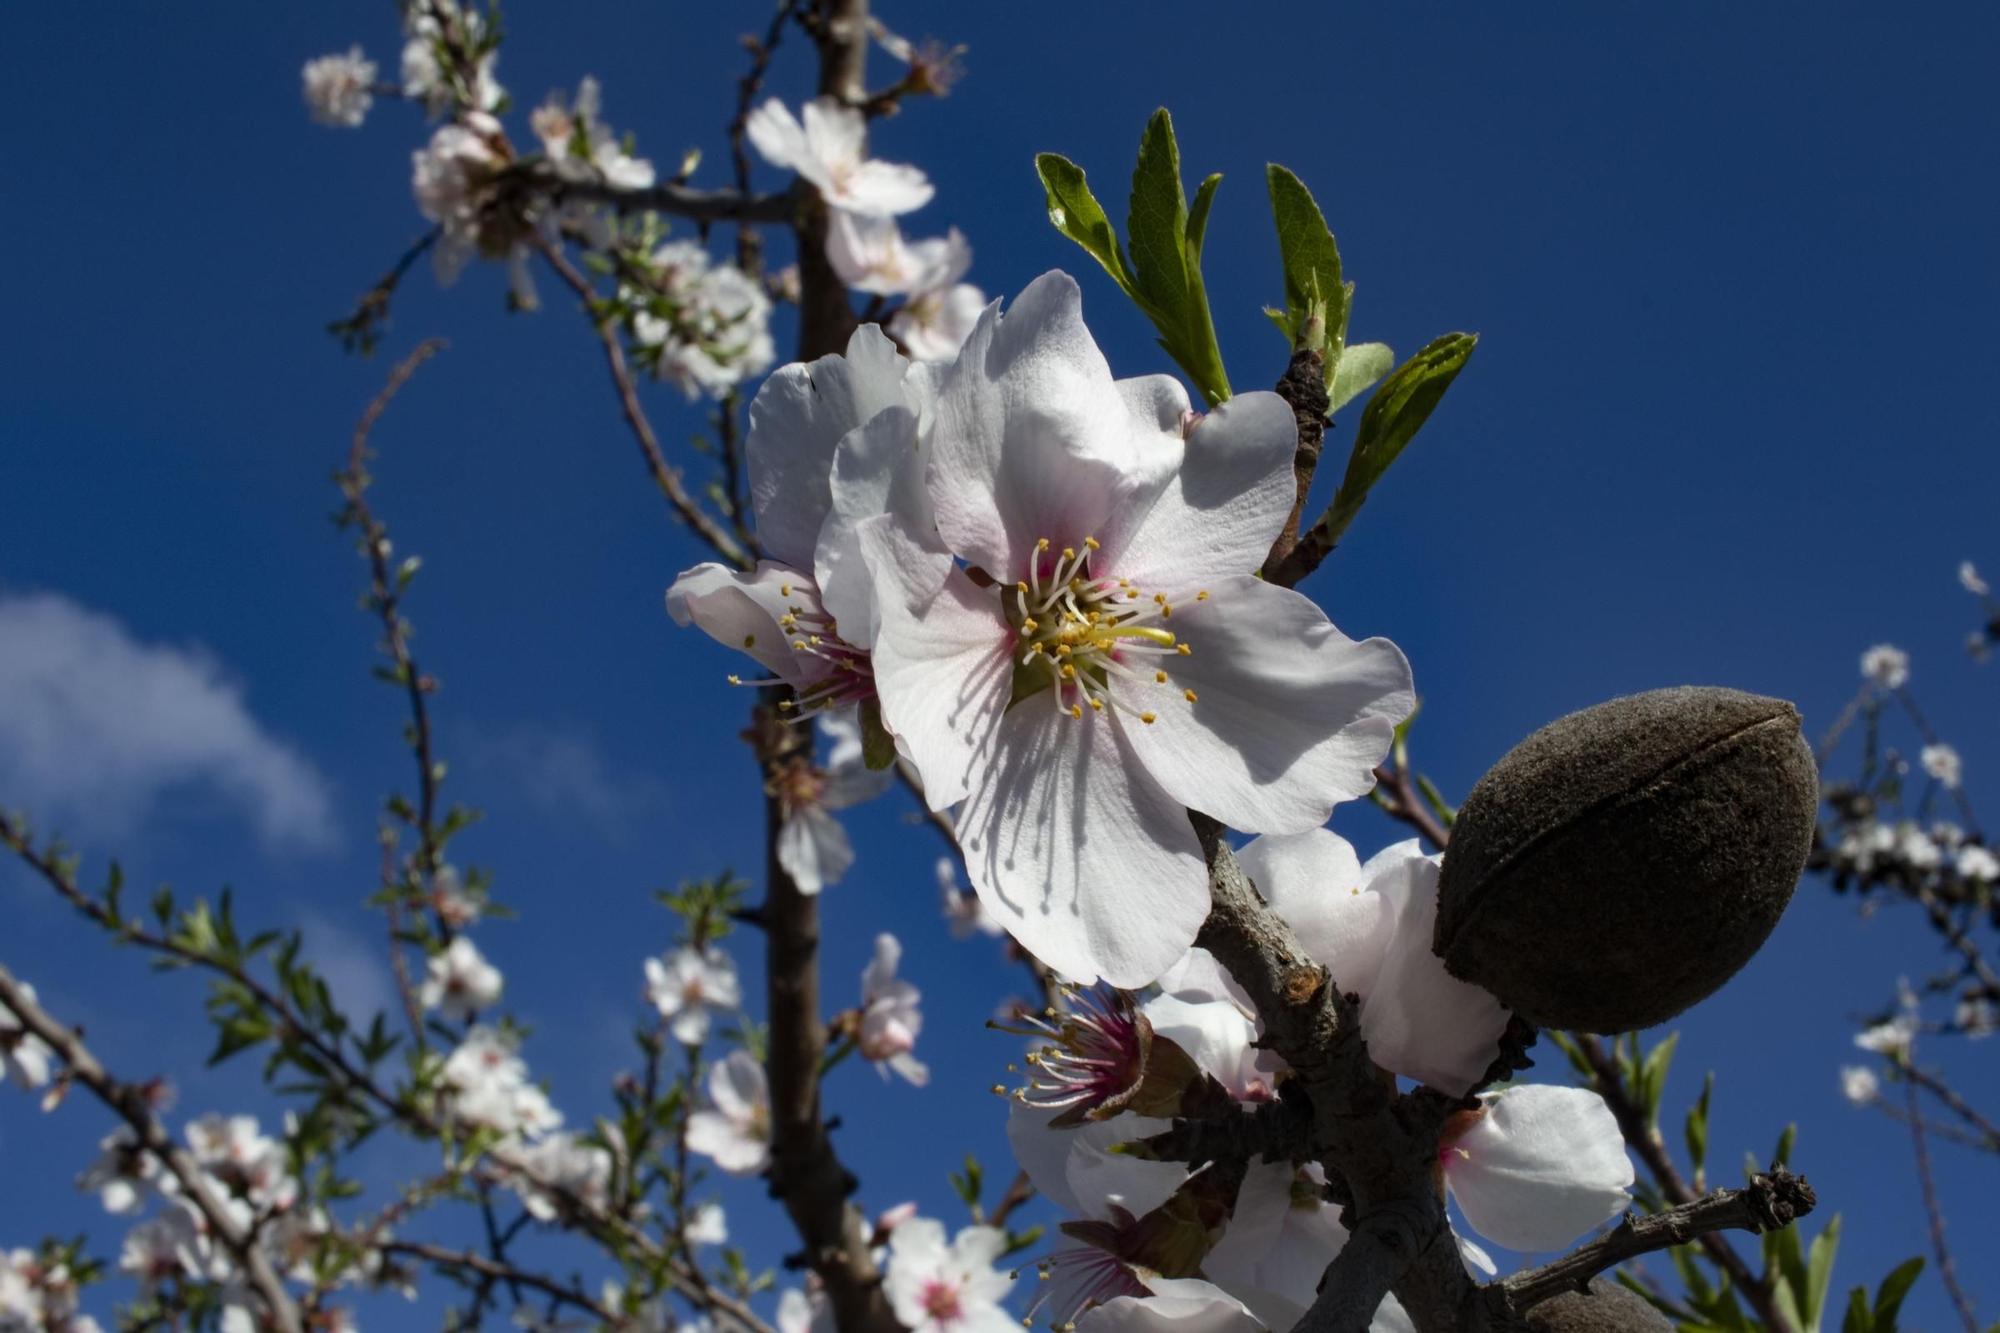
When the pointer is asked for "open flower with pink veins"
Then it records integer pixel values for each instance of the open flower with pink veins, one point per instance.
(1080, 648)
(734, 1129)
(830, 151)
(806, 612)
(936, 1287)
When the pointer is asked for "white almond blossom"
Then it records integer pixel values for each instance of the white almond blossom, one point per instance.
(1941, 762)
(1891, 1037)
(1859, 1084)
(707, 1224)
(24, 1057)
(581, 147)
(448, 177)
(812, 845)
(700, 325)
(459, 982)
(1968, 579)
(938, 311)
(245, 1161)
(1536, 1166)
(489, 1087)
(1976, 1016)
(124, 1175)
(935, 1287)
(339, 89)
(962, 912)
(427, 79)
(734, 1128)
(934, 323)
(829, 150)
(690, 984)
(37, 1296)
(1886, 665)
(803, 1312)
(1371, 926)
(559, 1172)
(826, 442)
(890, 1018)
(1977, 862)
(1117, 661)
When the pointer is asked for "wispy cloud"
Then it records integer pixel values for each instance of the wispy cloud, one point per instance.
(355, 969)
(560, 772)
(97, 727)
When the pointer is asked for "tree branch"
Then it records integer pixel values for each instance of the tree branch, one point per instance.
(129, 1102)
(1934, 1213)
(1769, 1203)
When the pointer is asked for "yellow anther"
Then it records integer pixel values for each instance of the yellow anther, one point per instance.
(1069, 553)
(1091, 542)
(1148, 718)
(1041, 543)
(1188, 695)
(1201, 596)
(784, 590)
(738, 680)
(1183, 649)
(749, 641)
(1160, 677)
(1022, 585)
(813, 639)
(1160, 597)
(1096, 704)
(1029, 626)
(1068, 671)
(1075, 711)
(786, 705)
(1062, 650)
(1166, 612)
(1131, 594)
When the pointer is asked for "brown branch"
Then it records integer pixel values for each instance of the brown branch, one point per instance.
(495, 1271)
(1020, 1190)
(1934, 1214)
(1769, 1203)
(129, 1102)
(1303, 387)
(670, 197)
(1985, 1134)
(1400, 799)
(749, 248)
(665, 476)
(806, 1174)
(1646, 1144)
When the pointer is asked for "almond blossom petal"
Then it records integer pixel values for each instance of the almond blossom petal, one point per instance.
(1277, 1245)
(776, 133)
(1314, 881)
(813, 849)
(1085, 860)
(1033, 440)
(1418, 1019)
(1284, 715)
(742, 611)
(1185, 1305)
(886, 188)
(1227, 504)
(874, 459)
(796, 422)
(1542, 1165)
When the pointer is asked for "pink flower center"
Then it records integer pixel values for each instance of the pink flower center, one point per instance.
(941, 1300)
(1089, 638)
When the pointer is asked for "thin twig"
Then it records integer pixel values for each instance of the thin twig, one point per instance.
(495, 1271)
(129, 1102)
(1768, 1203)
(665, 476)
(1934, 1214)
(749, 248)
(1986, 1134)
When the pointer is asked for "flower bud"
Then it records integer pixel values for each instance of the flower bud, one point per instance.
(1606, 1308)
(1623, 862)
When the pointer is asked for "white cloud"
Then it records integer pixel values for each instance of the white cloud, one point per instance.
(355, 969)
(559, 771)
(97, 727)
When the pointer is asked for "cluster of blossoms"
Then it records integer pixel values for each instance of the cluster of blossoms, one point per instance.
(39, 1293)
(24, 1058)
(1244, 1243)
(826, 146)
(701, 325)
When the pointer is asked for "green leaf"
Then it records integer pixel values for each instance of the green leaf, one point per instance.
(1360, 366)
(1857, 1318)
(1819, 1272)
(1312, 268)
(1156, 227)
(1653, 1076)
(1197, 223)
(1697, 1126)
(1076, 214)
(878, 747)
(1391, 420)
(1889, 1296)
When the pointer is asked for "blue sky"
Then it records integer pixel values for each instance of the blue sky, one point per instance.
(1727, 424)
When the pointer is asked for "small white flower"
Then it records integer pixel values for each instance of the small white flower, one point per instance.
(687, 984)
(828, 151)
(459, 982)
(1978, 864)
(24, 1057)
(1917, 848)
(1941, 761)
(707, 1224)
(1976, 1016)
(802, 1312)
(559, 1173)
(448, 177)
(339, 89)
(735, 1127)
(938, 1288)
(1886, 665)
(456, 905)
(812, 846)
(582, 147)
(890, 1019)
(702, 326)
(934, 325)
(123, 1175)
(247, 1162)
(1891, 1038)
(425, 78)
(1859, 1084)
(1968, 579)
(962, 911)
(489, 1087)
